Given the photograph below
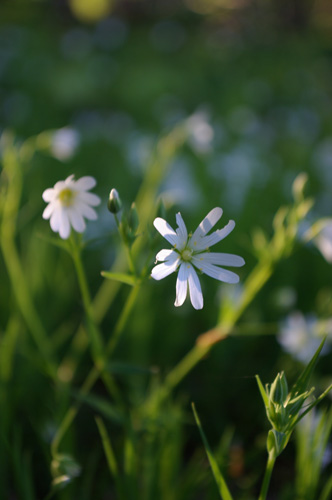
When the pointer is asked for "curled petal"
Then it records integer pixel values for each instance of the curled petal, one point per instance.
(195, 290)
(182, 284)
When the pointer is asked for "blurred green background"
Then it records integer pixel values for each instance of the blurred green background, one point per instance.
(256, 77)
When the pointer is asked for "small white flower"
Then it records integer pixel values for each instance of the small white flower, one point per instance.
(68, 203)
(191, 253)
(324, 241)
(301, 335)
(64, 143)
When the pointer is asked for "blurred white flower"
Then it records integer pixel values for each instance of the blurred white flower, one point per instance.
(190, 253)
(68, 203)
(301, 335)
(64, 143)
(201, 133)
(324, 242)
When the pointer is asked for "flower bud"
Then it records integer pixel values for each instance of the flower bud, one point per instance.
(114, 203)
(279, 389)
(64, 466)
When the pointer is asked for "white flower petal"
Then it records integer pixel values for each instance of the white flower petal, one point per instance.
(48, 211)
(86, 211)
(49, 194)
(195, 290)
(85, 183)
(64, 227)
(76, 219)
(162, 270)
(55, 220)
(182, 284)
(88, 198)
(215, 237)
(207, 223)
(69, 180)
(219, 259)
(218, 273)
(166, 231)
(181, 231)
(166, 254)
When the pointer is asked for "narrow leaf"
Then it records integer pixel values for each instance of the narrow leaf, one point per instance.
(128, 369)
(302, 382)
(128, 279)
(262, 391)
(110, 457)
(314, 403)
(103, 406)
(221, 483)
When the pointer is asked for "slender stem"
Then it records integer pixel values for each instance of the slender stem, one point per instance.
(13, 263)
(69, 417)
(95, 372)
(94, 333)
(127, 248)
(267, 476)
(123, 318)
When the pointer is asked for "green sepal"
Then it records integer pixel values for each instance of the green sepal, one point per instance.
(276, 442)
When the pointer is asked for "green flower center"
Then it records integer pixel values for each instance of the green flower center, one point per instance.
(186, 255)
(67, 196)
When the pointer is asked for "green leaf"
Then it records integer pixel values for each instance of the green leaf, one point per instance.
(301, 384)
(221, 483)
(112, 464)
(102, 406)
(128, 369)
(128, 279)
(265, 397)
(56, 241)
(314, 403)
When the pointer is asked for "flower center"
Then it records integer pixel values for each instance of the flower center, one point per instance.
(66, 196)
(186, 255)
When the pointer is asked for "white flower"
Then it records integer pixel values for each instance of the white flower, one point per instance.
(68, 203)
(301, 335)
(64, 143)
(191, 253)
(324, 241)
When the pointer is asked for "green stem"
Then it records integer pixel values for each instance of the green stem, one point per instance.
(119, 327)
(267, 476)
(13, 263)
(127, 248)
(94, 333)
(95, 372)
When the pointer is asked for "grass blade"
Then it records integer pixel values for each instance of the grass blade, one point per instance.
(221, 483)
